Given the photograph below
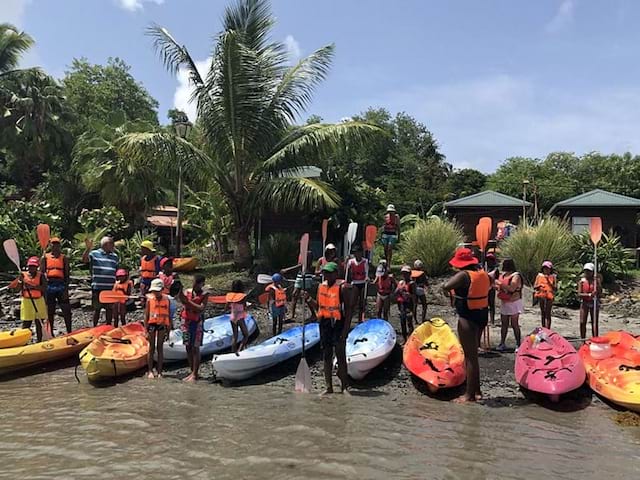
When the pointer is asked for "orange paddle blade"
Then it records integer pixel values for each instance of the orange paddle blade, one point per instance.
(325, 226)
(44, 234)
(489, 222)
(110, 296)
(234, 297)
(482, 235)
(370, 234)
(218, 299)
(595, 229)
(304, 248)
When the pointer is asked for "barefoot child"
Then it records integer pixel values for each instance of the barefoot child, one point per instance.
(358, 276)
(33, 285)
(385, 285)
(302, 283)
(194, 301)
(277, 303)
(124, 286)
(237, 302)
(404, 297)
(545, 291)
(157, 323)
(420, 278)
(589, 291)
(166, 274)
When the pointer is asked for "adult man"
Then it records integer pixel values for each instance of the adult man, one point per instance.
(103, 264)
(55, 266)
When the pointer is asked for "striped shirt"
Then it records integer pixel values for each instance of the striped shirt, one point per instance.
(103, 269)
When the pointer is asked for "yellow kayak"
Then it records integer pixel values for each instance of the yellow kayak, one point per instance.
(119, 352)
(15, 338)
(185, 264)
(58, 348)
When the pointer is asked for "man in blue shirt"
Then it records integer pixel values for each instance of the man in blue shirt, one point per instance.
(103, 264)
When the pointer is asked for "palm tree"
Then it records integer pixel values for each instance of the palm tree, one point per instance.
(12, 45)
(247, 106)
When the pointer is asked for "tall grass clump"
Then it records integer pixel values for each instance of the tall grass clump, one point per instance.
(531, 245)
(433, 241)
(279, 250)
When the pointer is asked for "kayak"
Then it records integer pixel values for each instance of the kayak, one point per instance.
(58, 348)
(254, 360)
(185, 264)
(433, 353)
(217, 336)
(547, 363)
(118, 352)
(15, 338)
(613, 367)
(368, 345)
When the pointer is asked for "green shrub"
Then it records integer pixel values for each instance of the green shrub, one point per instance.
(433, 241)
(614, 261)
(567, 293)
(280, 250)
(529, 246)
(108, 218)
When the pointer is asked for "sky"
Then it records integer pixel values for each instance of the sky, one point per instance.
(490, 79)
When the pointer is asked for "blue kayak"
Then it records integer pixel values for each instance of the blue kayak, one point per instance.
(368, 345)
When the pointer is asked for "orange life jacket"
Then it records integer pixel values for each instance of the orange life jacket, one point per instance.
(29, 284)
(280, 294)
(384, 285)
(148, 267)
(188, 314)
(125, 288)
(544, 286)
(54, 266)
(478, 293)
(329, 301)
(159, 310)
(507, 296)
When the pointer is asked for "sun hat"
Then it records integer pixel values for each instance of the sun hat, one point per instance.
(589, 266)
(147, 244)
(405, 268)
(54, 240)
(330, 246)
(165, 260)
(156, 285)
(121, 272)
(330, 267)
(33, 262)
(547, 264)
(391, 207)
(276, 277)
(463, 258)
(418, 264)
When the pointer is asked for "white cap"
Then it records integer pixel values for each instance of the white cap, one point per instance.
(330, 246)
(391, 208)
(589, 266)
(406, 268)
(418, 264)
(156, 285)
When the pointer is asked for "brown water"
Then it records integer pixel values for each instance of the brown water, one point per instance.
(51, 427)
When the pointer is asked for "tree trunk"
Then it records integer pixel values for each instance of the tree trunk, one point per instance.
(242, 255)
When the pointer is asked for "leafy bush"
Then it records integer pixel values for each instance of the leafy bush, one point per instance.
(614, 261)
(128, 250)
(108, 218)
(529, 246)
(280, 250)
(433, 241)
(567, 293)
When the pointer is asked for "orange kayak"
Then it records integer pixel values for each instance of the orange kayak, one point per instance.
(433, 353)
(119, 352)
(58, 348)
(612, 362)
(185, 264)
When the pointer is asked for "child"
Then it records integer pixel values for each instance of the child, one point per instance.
(149, 266)
(390, 232)
(33, 285)
(166, 274)
(301, 284)
(237, 302)
(544, 291)
(124, 286)
(589, 291)
(157, 323)
(385, 284)
(358, 276)
(494, 272)
(420, 279)
(404, 297)
(194, 301)
(277, 303)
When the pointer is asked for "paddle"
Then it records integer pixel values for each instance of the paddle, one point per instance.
(595, 232)
(483, 231)
(325, 226)
(44, 235)
(303, 375)
(370, 234)
(113, 296)
(350, 237)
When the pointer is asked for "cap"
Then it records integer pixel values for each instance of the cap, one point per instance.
(121, 272)
(589, 266)
(33, 262)
(405, 268)
(356, 249)
(276, 277)
(547, 264)
(147, 244)
(165, 260)
(381, 270)
(463, 258)
(54, 240)
(156, 285)
(330, 267)
(391, 207)
(418, 264)
(330, 246)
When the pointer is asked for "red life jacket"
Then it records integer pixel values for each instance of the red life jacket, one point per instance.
(188, 314)
(390, 223)
(403, 291)
(384, 285)
(357, 270)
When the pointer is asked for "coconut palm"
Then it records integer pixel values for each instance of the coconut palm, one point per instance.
(247, 107)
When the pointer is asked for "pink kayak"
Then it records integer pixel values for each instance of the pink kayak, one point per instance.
(547, 363)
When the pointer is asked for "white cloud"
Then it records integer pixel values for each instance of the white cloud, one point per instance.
(184, 90)
(133, 5)
(13, 11)
(563, 16)
(293, 48)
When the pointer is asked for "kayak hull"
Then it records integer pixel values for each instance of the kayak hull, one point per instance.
(217, 337)
(106, 357)
(616, 378)
(433, 354)
(552, 367)
(185, 264)
(368, 345)
(58, 348)
(15, 338)
(258, 358)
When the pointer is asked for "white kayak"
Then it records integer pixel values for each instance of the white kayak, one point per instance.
(217, 336)
(257, 358)
(368, 345)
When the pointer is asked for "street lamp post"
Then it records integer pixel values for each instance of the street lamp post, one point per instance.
(525, 184)
(182, 128)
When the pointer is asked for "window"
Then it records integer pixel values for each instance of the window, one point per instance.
(580, 224)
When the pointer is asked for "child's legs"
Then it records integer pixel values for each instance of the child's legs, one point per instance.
(516, 327)
(159, 341)
(295, 296)
(116, 314)
(423, 302)
(543, 311)
(152, 347)
(234, 330)
(504, 327)
(245, 333)
(379, 306)
(549, 306)
(584, 312)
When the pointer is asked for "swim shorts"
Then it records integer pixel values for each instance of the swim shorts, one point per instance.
(389, 239)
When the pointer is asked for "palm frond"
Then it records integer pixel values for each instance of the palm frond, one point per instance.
(251, 19)
(12, 45)
(297, 194)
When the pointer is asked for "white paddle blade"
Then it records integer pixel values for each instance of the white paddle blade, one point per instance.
(264, 279)
(47, 334)
(303, 377)
(11, 249)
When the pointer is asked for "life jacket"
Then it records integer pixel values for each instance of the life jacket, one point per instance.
(188, 314)
(384, 285)
(357, 270)
(126, 288)
(390, 223)
(54, 266)
(329, 301)
(167, 280)
(403, 291)
(30, 283)
(148, 268)
(507, 296)
(544, 286)
(588, 287)
(280, 295)
(478, 294)
(159, 310)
